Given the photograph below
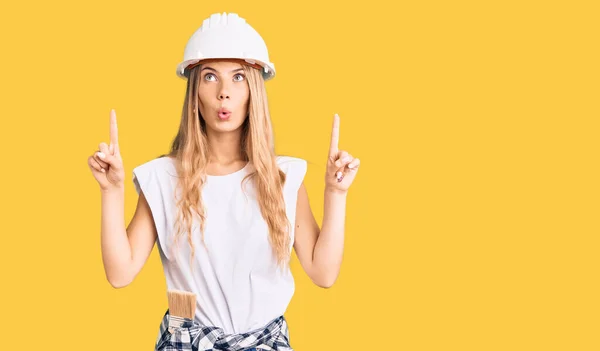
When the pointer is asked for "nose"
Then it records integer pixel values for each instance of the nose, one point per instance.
(224, 92)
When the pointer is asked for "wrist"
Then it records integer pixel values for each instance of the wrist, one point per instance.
(112, 191)
(335, 192)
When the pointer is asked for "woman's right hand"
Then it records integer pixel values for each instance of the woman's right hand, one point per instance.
(106, 163)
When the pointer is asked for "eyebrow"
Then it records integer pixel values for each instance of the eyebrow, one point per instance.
(212, 69)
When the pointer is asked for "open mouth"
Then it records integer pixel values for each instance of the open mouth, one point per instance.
(224, 113)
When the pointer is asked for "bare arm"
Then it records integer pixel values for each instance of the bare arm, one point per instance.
(125, 250)
(320, 250)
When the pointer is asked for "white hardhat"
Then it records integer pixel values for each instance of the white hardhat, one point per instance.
(226, 36)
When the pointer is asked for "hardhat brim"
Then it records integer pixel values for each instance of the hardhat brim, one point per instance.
(268, 69)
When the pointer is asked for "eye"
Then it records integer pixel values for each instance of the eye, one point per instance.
(240, 75)
(208, 74)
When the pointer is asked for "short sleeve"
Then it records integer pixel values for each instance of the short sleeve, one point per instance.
(151, 178)
(295, 169)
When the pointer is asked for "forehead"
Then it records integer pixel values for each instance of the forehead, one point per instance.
(222, 65)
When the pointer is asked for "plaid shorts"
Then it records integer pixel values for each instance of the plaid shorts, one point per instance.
(187, 334)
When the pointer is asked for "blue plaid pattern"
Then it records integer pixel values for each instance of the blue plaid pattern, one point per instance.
(192, 336)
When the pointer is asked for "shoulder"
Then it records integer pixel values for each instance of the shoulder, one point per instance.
(156, 164)
(295, 169)
(287, 163)
(153, 174)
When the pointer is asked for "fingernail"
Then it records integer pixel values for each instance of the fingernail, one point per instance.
(102, 170)
(100, 154)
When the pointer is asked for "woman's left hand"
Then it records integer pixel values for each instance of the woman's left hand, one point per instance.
(341, 165)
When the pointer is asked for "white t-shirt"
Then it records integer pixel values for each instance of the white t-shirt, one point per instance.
(237, 283)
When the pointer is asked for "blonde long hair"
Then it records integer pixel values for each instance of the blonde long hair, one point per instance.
(190, 151)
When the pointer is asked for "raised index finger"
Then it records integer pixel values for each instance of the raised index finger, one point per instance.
(335, 135)
(114, 131)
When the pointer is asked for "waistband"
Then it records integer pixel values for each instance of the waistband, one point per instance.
(177, 333)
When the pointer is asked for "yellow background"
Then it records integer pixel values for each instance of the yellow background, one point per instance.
(472, 224)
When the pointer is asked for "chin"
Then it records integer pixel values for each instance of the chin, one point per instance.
(226, 126)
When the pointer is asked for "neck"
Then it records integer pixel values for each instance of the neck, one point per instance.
(225, 148)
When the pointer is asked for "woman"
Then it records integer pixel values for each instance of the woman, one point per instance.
(222, 188)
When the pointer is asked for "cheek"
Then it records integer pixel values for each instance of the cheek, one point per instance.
(244, 95)
(203, 90)
(203, 94)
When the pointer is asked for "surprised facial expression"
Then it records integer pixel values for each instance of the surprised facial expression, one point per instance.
(223, 95)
